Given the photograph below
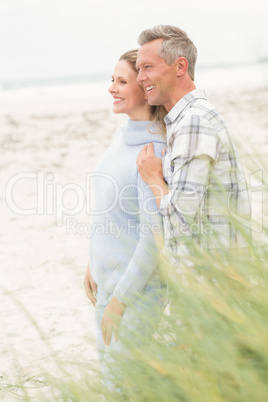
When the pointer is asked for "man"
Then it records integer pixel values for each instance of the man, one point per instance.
(201, 192)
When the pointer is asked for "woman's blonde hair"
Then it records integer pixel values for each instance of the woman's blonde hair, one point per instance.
(158, 112)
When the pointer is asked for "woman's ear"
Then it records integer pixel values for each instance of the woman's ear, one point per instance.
(182, 66)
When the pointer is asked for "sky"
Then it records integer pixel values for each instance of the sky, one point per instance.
(61, 38)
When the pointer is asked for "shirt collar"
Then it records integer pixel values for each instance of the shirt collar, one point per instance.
(183, 103)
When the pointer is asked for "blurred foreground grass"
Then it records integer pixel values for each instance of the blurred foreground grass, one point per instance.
(213, 346)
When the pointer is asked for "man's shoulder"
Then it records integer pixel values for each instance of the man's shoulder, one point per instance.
(199, 120)
(201, 107)
(203, 113)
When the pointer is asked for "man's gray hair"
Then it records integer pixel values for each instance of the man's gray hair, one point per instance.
(176, 43)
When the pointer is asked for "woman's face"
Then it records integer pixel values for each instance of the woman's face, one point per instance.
(129, 96)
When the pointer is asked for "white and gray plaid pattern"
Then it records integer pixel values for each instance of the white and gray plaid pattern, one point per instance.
(208, 192)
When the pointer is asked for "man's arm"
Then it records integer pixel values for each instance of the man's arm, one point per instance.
(195, 145)
(150, 170)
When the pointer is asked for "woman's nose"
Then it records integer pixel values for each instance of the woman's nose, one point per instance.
(112, 88)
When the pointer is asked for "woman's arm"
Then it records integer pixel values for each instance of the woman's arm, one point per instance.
(146, 255)
(90, 286)
(142, 264)
(111, 319)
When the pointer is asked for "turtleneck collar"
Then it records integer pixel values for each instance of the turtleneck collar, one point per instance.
(137, 132)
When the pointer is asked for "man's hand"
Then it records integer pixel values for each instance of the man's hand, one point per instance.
(111, 319)
(149, 166)
(150, 170)
(90, 287)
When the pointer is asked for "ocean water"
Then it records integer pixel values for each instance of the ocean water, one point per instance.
(43, 91)
(210, 78)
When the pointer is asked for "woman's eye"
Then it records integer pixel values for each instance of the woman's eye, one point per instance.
(123, 82)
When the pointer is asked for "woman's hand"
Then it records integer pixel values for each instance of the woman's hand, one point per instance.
(111, 319)
(90, 287)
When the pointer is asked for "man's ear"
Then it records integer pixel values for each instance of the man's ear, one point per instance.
(182, 66)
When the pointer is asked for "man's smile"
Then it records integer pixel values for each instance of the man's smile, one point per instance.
(149, 88)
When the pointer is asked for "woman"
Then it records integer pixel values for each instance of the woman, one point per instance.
(122, 268)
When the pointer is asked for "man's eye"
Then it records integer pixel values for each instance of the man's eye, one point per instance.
(147, 66)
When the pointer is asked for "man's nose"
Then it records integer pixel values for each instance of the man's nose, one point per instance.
(140, 76)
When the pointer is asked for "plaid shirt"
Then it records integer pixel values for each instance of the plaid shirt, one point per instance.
(208, 193)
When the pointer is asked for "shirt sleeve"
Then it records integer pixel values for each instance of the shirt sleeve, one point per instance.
(193, 148)
(145, 257)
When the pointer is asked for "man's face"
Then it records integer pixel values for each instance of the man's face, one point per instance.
(157, 77)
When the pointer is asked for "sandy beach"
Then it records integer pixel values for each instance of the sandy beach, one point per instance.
(47, 149)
